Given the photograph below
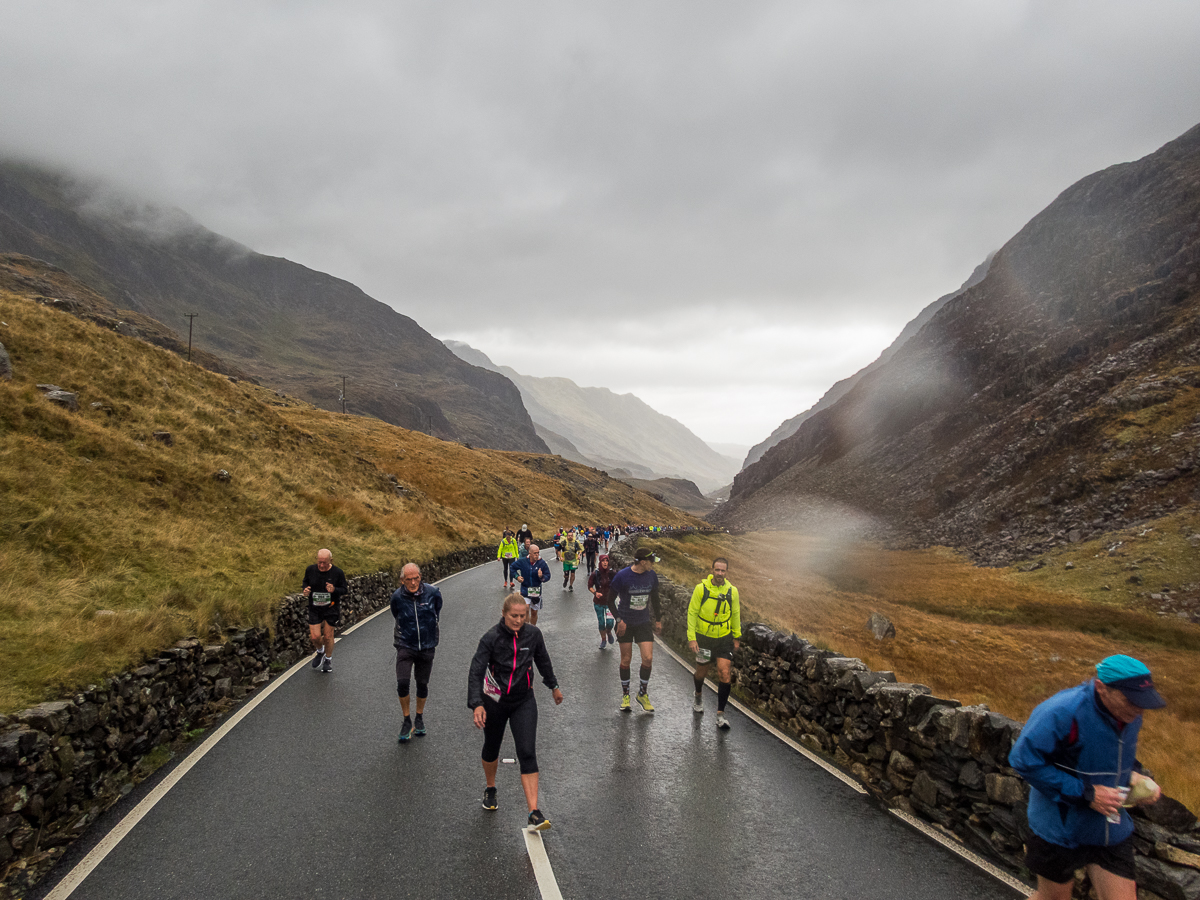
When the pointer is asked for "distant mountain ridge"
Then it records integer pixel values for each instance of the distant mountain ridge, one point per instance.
(295, 329)
(841, 388)
(609, 430)
(1057, 399)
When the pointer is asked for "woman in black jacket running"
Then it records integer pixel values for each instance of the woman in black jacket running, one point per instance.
(500, 691)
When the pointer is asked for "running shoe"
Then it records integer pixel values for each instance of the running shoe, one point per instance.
(571, 588)
(722, 722)
(698, 704)
(318, 659)
(327, 665)
(644, 699)
(603, 643)
(418, 726)
(538, 822)
(611, 639)
(406, 731)
(489, 798)
(624, 707)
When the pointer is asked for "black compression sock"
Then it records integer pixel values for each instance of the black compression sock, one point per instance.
(699, 682)
(644, 674)
(722, 695)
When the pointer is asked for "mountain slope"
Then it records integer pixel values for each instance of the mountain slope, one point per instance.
(613, 431)
(1055, 400)
(295, 329)
(841, 388)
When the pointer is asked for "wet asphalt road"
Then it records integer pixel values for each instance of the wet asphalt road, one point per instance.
(311, 796)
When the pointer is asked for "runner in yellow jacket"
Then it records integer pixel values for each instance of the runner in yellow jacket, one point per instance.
(714, 629)
(507, 553)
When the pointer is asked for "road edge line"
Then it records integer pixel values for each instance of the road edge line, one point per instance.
(969, 855)
(108, 843)
(542, 870)
(82, 869)
(763, 723)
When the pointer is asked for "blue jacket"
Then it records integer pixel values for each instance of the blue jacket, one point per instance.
(527, 570)
(1071, 741)
(417, 617)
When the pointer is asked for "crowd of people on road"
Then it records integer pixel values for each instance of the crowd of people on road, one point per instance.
(1078, 751)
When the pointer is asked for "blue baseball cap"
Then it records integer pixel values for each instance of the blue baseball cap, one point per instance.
(1132, 678)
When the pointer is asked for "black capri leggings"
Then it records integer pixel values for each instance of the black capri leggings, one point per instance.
(522, 716)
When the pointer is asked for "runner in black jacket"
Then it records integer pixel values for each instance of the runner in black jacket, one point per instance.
(500, 691)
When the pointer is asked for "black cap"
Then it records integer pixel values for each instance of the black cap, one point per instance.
(645, 553)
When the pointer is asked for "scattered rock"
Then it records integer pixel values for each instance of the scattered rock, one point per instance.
(6, 371)
(1069, 565)
(47, 388)
(881, 626)
(223, 476)
(65, 399)
(164, 437)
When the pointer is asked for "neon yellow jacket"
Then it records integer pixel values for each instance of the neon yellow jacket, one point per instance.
(714, 611)
(507, 549)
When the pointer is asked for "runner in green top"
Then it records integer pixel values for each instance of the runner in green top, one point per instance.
(714, 626)
(507, 553)
(571, 551)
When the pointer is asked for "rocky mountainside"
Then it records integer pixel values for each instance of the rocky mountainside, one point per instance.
(611, 431)
(841, 388)
(293, 328)
(1055, 400)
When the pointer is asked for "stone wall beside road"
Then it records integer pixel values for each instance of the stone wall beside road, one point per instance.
(929, 756)
(64, 762)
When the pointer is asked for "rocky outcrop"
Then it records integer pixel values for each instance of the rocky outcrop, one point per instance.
(1056, 396)
(64, 762)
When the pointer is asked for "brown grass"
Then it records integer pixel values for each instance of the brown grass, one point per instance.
(96, 515)
(990, 636)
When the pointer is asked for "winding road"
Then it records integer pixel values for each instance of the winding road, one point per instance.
(310, 795)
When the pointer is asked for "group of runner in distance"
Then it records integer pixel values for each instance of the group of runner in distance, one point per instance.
(500, 683)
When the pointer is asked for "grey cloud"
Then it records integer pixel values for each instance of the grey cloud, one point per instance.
(824, 162)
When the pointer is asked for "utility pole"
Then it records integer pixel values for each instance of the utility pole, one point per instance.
(343, 395)
(190, 316)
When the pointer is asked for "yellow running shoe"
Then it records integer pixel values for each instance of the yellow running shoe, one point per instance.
(624, 707)
(644, 700)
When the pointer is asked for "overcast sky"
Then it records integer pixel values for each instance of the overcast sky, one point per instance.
(721, 207)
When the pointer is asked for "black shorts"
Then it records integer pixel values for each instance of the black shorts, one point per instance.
(719, 648)
(1058, 864)
(407, 659)
(318, 614)
(636, 634)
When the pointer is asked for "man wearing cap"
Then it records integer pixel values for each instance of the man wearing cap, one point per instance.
(1078, 751)
(633, 600)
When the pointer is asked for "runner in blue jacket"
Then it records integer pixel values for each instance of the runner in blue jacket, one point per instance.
(531, 573)
(1078, 751)
(417, 609)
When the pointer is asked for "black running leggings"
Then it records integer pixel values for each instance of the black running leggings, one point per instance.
(507, 564)
(522, 716)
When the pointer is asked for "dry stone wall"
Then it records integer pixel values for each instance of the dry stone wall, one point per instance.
(64, 762)
(930, 756)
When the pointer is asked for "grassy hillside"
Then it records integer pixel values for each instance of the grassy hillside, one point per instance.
(98, 516)
(1002, 637)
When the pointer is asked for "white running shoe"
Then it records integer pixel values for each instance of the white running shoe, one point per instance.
(698, 704)
(722, 722)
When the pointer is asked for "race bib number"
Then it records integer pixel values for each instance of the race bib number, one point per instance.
(638, 601)
(321, 598)
(534, 591)
(490, 688)
(704, 656)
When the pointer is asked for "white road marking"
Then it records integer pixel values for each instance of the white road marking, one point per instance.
(108, 843)
(916, 823)
(994, 871)
(541, 865)
(802, 750)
